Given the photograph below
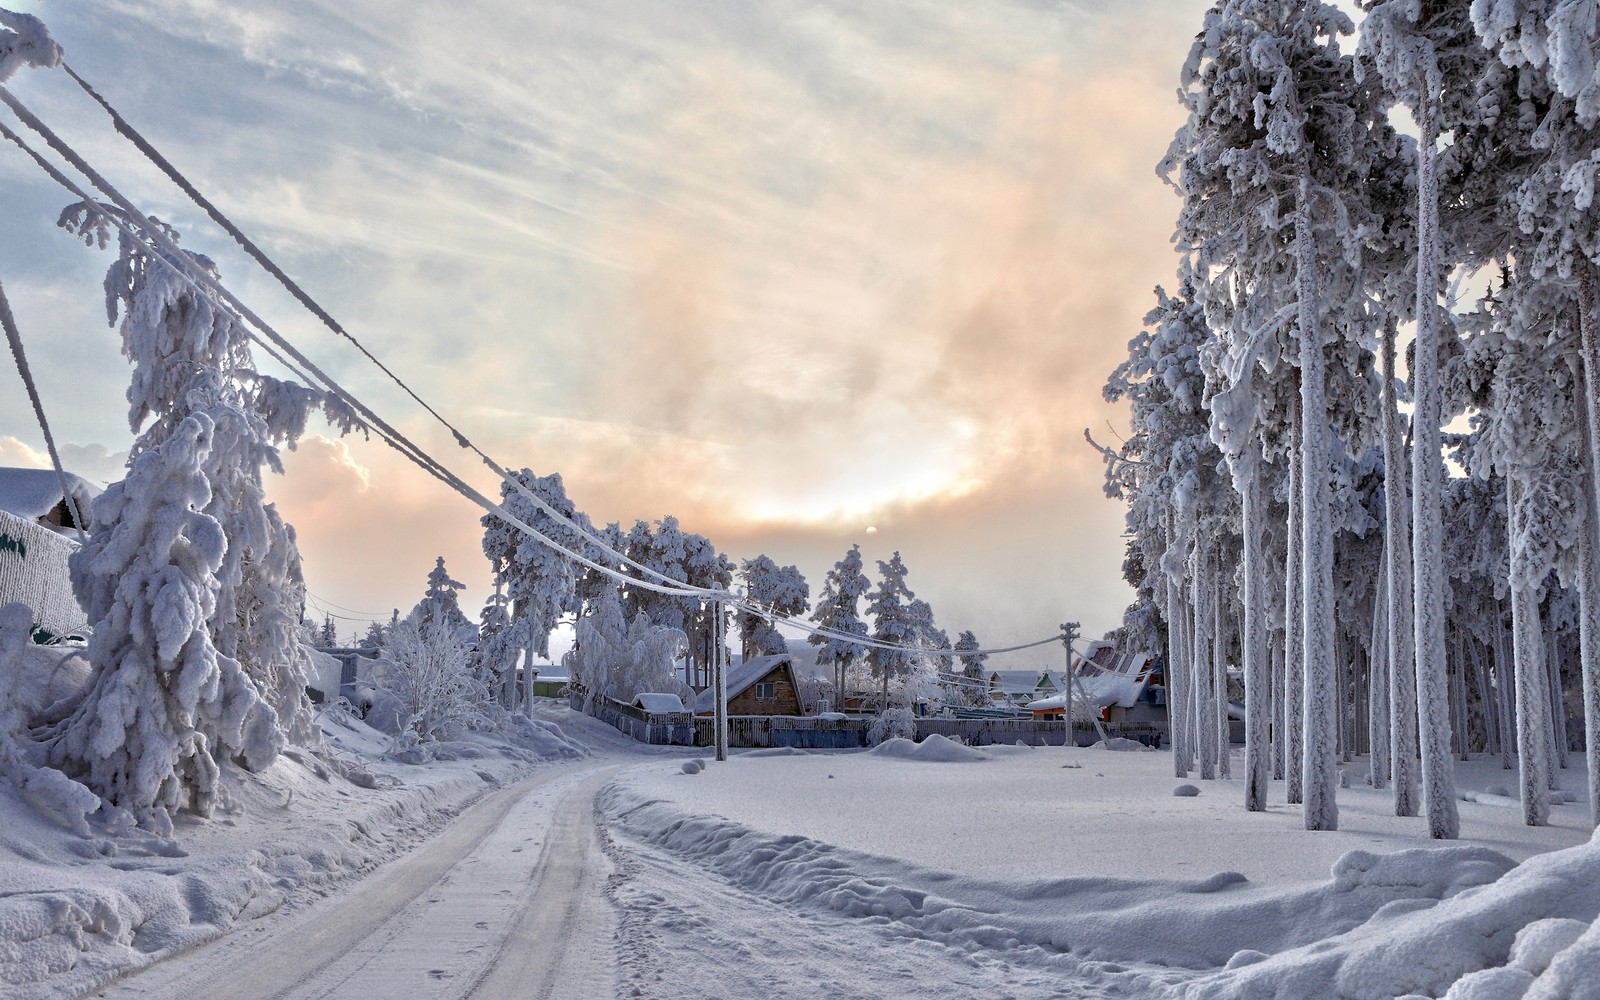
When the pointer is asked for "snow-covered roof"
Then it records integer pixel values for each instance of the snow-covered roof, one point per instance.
(657, 703)
(33, 493)
(1026, 681)
(740, 678)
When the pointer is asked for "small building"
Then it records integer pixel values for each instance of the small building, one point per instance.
(657, 703)
(762, 685)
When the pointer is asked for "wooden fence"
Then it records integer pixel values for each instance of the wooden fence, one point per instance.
(683, 729)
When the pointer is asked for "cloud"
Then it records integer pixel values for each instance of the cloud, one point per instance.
(781, 269)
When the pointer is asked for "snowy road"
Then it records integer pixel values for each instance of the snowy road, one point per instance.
(509, 901)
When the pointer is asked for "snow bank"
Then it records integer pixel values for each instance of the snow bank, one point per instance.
(1100, 874)
(1531, 929)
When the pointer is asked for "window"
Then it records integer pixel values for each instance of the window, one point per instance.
(766, 692)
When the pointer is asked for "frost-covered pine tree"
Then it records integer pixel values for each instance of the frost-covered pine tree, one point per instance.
(540, 581)
(163, 711)
(976, 687)
(838, 611)
(1163, 470)
(1553, 44)
(780, 589)
(1272, 165)
(894, 625)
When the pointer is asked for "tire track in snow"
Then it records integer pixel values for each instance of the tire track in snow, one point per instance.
(373, 930)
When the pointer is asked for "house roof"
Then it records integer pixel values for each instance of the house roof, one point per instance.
(741, 678)
(33, 493)
(658, 704)
(1026, 681)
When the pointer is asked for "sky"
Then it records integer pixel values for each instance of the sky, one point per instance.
(801, 274)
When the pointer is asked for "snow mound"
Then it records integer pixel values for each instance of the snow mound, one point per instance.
(1186, 791)
(775, 752)
(691, 767)
(935, 749)
(1121, 743)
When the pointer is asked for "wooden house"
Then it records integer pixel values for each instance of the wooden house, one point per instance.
(763, 685)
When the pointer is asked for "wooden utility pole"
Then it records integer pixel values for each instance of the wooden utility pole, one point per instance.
(1069, 635)
(720, 675)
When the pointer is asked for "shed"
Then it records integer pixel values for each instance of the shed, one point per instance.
(762, 685)
(658, 704)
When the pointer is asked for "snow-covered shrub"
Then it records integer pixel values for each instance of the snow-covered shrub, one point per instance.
(896, 723)
(164, 710)
(428, 669)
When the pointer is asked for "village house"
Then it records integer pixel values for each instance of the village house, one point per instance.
(762, 685)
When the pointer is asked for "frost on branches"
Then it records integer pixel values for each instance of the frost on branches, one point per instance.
(620, 660)
(164, 710)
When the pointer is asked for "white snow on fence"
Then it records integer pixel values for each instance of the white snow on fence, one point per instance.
(33, 570)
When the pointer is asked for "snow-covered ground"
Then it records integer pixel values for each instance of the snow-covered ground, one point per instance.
(927, 870)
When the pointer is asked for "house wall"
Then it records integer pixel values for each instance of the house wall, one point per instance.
(785, 701)
(33, 570)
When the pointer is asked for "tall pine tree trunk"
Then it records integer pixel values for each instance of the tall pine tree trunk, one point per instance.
(1378, 684)
(1293, 629)
(1320, 709)
(1397, 573)
(1257, 666)
(1527, 642)
(1177, 675)
(1205, 685)
(1427, 470)
(1589, 540)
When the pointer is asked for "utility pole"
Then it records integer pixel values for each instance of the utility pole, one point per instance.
(720, 677)
(1069, 635)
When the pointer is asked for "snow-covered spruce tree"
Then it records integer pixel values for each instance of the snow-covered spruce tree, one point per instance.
(932, 662)
(440, 603)
(163, 711)
(191, 356)
(976, 688)
(373, 638)
(781, 589)
(1531, 435)
(838, 610)
(892, 623)
(499, 644)
(1272, 164)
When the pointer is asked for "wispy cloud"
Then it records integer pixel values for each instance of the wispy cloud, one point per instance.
(782, 269)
